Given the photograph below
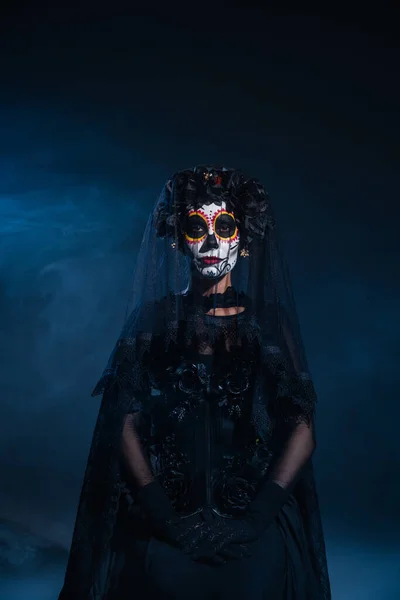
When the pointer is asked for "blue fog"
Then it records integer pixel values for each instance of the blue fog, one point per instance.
(33, 568)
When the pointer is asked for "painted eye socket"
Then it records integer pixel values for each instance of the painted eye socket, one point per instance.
(196, 227)
(225, 226)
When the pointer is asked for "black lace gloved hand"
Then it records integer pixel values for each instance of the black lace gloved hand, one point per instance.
(266, 506)
(204, 541)
(229, 538)
(216, 541)
(261, 512)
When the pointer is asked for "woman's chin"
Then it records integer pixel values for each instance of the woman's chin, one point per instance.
(208, 272)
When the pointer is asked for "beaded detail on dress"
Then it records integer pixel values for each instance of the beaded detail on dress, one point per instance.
(203, 445)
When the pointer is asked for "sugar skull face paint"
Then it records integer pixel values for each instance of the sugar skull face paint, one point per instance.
(212, 236)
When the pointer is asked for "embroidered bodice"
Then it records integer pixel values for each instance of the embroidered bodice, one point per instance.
(201, 438)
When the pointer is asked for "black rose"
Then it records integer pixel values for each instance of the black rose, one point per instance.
(237, 382)
(235, 493)
(187, 378)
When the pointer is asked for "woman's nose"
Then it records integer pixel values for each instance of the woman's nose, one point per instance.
(210, 243)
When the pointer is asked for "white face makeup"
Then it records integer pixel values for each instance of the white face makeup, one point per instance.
(212, 237)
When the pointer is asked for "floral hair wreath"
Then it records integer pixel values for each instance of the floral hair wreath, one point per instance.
(188, 189)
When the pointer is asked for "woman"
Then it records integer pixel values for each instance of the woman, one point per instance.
(199, 481)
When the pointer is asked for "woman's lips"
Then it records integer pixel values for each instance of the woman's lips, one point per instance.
(210, 260)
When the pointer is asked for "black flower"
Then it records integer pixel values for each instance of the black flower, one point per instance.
(234, 381)
(237, 382)
(235, 493)
(187, 378)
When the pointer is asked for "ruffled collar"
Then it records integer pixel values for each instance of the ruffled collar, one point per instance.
(227, 299)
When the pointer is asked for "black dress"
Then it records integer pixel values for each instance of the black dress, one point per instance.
(211, 434)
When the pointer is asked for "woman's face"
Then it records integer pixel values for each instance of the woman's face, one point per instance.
(212, 237)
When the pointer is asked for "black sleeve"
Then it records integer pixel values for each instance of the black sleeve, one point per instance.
(291, 405)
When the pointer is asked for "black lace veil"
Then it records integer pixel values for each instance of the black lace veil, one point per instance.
(162, 286)
(163, 296)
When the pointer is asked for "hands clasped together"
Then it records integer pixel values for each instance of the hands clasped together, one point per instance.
(214, 540)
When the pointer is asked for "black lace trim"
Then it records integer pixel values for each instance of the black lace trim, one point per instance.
(228, 299)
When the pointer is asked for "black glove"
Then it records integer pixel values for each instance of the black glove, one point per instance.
(266, 506)
(229, 538)
(217, 540)
(202, 540)
(259, 515)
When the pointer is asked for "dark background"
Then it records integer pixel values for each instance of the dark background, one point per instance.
(97, 108)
